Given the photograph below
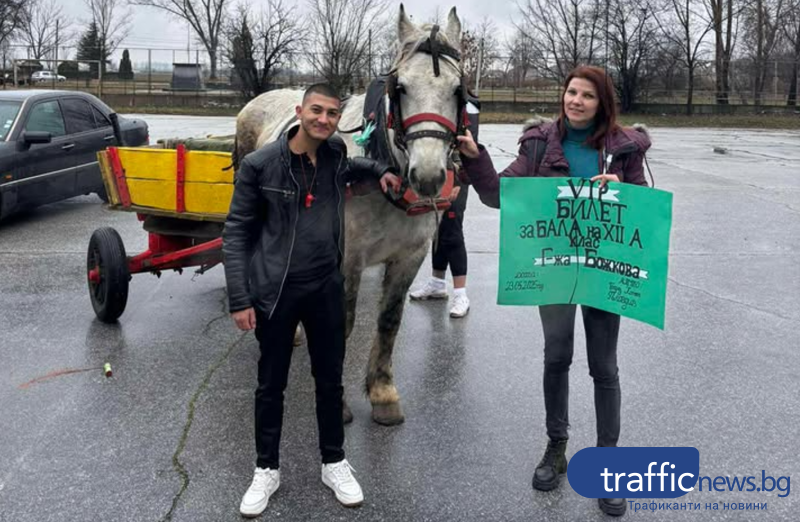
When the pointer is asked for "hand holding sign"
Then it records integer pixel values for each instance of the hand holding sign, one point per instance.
(576, 241)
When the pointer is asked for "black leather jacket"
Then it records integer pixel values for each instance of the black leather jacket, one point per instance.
(259, 233)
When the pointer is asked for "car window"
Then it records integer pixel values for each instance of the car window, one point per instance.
(8, 113)
(100, 119)
(78, 114)
(46, 117)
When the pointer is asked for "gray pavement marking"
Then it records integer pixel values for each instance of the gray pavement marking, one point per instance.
(734, 301)
(177, 465)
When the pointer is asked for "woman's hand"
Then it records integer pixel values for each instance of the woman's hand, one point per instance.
(391, 180)
(454, 194)
(467, 145)
(605, 178)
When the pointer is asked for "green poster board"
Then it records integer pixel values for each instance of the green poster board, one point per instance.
(567, 240)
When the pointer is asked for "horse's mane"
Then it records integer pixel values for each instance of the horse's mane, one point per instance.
(410, 46)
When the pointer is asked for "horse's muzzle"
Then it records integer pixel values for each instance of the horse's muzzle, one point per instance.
(426, 186)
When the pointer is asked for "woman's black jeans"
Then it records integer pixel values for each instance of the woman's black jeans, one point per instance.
(602, 329)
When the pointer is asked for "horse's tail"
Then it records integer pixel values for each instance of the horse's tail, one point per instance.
(235, 154)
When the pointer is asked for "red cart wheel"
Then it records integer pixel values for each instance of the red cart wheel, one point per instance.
(107, 274)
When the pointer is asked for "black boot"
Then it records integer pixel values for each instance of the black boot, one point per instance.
(552, 465)
(615, 507)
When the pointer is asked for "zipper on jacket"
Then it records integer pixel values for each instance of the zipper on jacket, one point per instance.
(340, 209)
(294, 232)
(279, 191)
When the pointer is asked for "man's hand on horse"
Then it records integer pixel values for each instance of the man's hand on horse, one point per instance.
(467, 145)
(390, 179)
(245, 319)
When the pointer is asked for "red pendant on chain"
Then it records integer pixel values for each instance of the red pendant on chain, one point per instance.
(309, 199)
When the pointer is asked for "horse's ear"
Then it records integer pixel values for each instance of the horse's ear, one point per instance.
(453, 31)
(405, 27)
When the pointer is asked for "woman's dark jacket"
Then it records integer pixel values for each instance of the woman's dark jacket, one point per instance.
(626, 145)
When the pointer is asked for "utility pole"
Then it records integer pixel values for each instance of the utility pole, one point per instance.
(478, 70)
(188, 32)
(55, 65)
(775, 81)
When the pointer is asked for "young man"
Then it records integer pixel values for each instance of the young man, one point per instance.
(283, 244)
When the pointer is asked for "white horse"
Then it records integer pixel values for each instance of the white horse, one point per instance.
(377, 231)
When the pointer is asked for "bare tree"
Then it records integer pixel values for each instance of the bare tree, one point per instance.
(112, 22)
(724, 16)
(763, 23)
(479, 43)
(437, 16)
(685, 30)
(521, 54)
(45, 28)
(564, 33)
(341, 30)
(791, 31)
(206, 18)
(631, 40)
(12, 17)
(260, 45)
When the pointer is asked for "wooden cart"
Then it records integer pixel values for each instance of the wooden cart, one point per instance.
(181, 197)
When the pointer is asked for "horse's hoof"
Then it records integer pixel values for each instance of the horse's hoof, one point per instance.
(298, 337)
(347, 414)
(388, 414)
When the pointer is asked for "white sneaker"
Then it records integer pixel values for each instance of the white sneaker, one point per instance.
(255, 500)
(431, 290)
(460, 305)
(339, 477)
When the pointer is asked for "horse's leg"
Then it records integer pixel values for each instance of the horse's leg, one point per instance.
(352, 281)
(298, 335)
(380, 386)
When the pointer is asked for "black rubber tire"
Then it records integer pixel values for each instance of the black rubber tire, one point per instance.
(109, 295)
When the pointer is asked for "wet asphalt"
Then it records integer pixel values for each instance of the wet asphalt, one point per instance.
(170, 435)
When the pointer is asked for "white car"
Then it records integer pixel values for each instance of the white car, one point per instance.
(46, 76)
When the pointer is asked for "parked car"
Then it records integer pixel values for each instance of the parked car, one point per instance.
(46, 76)
(49, 142)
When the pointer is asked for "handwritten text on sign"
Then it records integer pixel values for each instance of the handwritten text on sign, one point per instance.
(568, 240)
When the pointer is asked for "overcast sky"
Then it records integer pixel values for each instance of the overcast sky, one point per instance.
(152, 28)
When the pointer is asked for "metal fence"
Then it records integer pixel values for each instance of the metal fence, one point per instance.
(500, 80)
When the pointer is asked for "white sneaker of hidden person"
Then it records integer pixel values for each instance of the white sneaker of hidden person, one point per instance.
(434, 288)
(460, 305)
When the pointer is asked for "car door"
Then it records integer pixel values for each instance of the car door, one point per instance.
(89, 139)
(46, 171)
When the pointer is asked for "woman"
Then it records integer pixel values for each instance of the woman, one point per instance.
(585, 141)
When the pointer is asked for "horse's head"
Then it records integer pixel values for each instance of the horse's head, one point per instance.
(427, 99)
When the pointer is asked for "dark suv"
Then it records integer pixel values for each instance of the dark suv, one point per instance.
(49, 142)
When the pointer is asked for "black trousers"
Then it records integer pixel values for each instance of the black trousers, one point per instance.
(602, 330)
(450, 249)
(320, 307)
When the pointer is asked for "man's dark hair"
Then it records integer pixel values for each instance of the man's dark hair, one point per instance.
(325, 89)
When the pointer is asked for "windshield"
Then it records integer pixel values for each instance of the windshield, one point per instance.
(8, 113)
